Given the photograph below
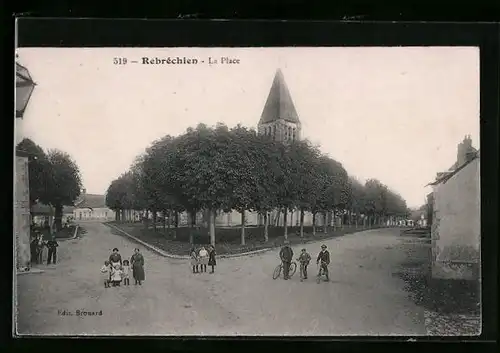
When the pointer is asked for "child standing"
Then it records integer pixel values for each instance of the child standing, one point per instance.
(116, 275)
(106, 271)
(203, 257)
(194, 260)
(125, 273)
(304, 259)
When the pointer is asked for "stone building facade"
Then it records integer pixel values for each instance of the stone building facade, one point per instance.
(22, 213)
(24, 89)
(456, 218)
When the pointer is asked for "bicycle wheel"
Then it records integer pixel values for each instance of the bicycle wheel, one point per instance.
(277, 272)
(293, 268)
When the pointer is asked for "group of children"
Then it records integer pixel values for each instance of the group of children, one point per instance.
(114, 273)
(203, 257)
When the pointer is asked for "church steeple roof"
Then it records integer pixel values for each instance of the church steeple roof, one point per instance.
(279, 103)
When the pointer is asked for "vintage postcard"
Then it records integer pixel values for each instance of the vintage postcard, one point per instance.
(306, 191)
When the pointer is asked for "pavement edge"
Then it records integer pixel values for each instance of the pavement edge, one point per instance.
(172, 256)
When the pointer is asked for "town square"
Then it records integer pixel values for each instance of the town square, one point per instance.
(260, 197)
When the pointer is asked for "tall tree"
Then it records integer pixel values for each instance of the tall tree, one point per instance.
(65, 183)
(267, 172)
(304, 159)
(241, 163)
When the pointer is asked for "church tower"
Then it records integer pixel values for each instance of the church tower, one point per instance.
(279, 118)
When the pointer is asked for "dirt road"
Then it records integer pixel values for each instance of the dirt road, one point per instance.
(364, 297)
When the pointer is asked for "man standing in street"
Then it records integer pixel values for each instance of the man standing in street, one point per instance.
(324, 260)
(286, 255)
(52, 246)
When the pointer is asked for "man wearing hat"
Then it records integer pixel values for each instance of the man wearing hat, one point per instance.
(324, 258)
(286, 256)
(304, 259)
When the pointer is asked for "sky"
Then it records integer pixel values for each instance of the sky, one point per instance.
(391, 113)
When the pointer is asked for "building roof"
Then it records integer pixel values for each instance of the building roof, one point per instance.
(42, 209)
(92, 201)
(448, 175)
(455, 165)
(279, 104)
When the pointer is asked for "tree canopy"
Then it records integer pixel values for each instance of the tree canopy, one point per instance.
(218, 168)
(54, 177)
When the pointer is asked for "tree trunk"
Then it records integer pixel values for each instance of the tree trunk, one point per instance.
(285, 216)
(212, 227)
(154, 220)
(146, 219)
(314, 223)
(176, 223)
(242, 227)
(124, 216)
(325, 228)
(117, 215)
(192, 226)
(334, 220)
(58, 210)
(302, 223)
(266, 226)
(164, 214)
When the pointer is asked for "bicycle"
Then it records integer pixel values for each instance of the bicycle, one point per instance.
(279, 269)
(321, 272)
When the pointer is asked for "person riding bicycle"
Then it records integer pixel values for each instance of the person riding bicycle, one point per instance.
(324, 258)
(304, 259)
(286, 256)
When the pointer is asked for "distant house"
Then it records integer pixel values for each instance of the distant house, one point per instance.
(41, 213)
(419, 216)
(92, 207)
(456, 217)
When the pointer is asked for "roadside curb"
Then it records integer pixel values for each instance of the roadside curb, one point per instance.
(150, 247)
(33, 271)
(222, 256)
(260, 251)
(180, 257)
(74, 235)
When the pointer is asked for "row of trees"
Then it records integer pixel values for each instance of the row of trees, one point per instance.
(212, 169)
(54, 178)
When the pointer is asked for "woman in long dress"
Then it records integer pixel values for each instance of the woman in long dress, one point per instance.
(115, 258)
(211, 258)
(137, 262)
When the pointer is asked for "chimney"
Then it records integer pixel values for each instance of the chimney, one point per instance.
(461, 150)
(465, 151)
